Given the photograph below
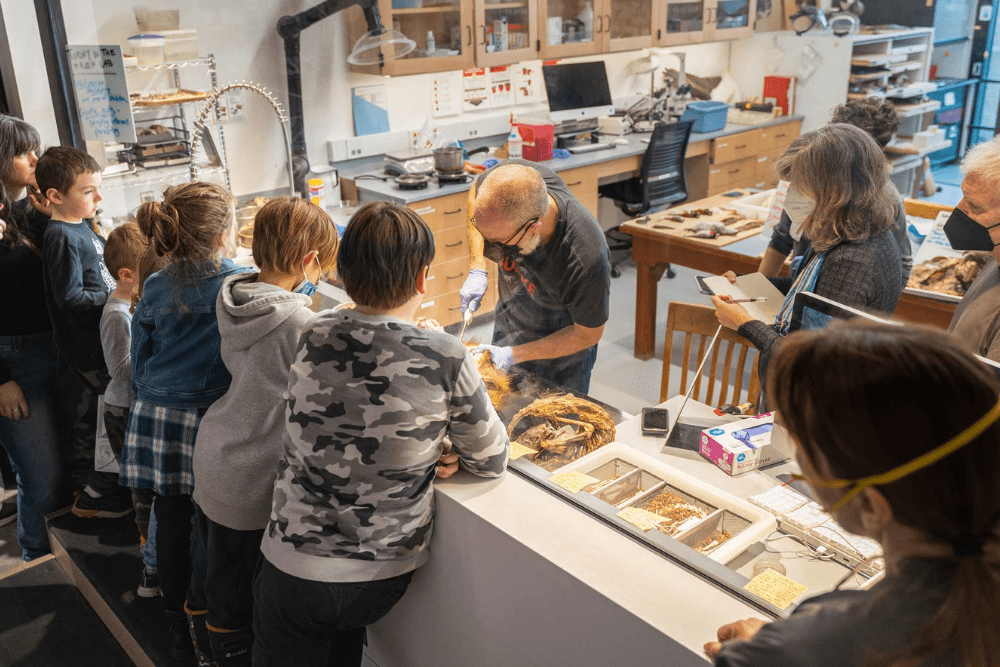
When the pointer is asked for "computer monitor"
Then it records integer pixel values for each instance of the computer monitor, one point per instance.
(578, 91)
(811, 311)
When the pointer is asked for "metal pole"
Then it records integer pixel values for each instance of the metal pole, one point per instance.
(696, 376)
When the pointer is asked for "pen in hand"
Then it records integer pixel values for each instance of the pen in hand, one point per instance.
(750, 300)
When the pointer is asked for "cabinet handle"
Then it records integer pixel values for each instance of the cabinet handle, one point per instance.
(455, 308)
(457, 210)
(607, 23)
(468, 28)
(779, 136)
(740, 147)
(483, 28)
(573, 185)
(453, 245)
(734, 171)
(600, 25)
(457, 275)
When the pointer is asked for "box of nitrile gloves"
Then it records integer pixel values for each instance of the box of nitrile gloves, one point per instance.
(744, 445)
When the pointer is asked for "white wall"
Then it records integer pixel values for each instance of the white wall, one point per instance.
(242, 36)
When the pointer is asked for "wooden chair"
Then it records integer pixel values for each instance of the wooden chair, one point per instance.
(697, 321)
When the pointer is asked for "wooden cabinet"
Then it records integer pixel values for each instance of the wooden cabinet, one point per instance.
(582, 184)
(587, 27)
(447, 217)
(450, 21)
(505, 32)
(694, 21)
(747, 159)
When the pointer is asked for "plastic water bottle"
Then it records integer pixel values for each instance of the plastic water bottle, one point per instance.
(586, 15)
(514, 144)
(431, 44)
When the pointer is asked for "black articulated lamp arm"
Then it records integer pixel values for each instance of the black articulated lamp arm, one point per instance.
(290, 27)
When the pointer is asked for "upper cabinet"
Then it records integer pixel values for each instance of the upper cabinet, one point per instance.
(460, 34)
(587, 27)
(505, 32)
(442, 30)
(693, 21)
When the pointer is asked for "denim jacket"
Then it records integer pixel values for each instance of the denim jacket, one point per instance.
(176, 361)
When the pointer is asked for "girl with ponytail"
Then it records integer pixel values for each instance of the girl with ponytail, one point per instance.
(177, 372)
(897, 430)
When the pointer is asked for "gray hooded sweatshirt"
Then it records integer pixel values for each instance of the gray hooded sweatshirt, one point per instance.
(239, 439)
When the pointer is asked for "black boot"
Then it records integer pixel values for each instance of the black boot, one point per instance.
(180, 636)
(232, 648)
(199, 635)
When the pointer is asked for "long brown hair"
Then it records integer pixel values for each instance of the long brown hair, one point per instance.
(867, 398)
(185, 227)
(846, 174)
(149, 263)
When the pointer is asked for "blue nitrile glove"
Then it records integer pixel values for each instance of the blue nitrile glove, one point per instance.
(473, 290)
(503, 357)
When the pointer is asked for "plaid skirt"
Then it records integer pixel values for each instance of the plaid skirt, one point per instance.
(159, 449)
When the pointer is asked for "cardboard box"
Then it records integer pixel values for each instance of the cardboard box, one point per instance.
(744, 445)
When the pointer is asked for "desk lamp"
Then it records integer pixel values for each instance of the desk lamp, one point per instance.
(373, 48)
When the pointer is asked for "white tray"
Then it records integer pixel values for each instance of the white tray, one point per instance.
(761, 523)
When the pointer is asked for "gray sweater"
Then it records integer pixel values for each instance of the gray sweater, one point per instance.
(116, 339)
(239, 440)
(863, 275)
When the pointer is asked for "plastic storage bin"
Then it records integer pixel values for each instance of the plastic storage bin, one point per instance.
(708, 116)
(407, 4)
(536, 141)
(147, 49)
(180, 45)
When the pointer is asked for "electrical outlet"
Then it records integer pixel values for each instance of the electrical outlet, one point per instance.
(355, 148)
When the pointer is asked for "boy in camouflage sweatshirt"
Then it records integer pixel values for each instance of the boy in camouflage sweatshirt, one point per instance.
(371, 399)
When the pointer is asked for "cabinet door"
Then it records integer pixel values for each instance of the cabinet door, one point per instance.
(730, 19)
(681, 22)
(505, 32)
(449, 21)
(571, 28)
(629, 24)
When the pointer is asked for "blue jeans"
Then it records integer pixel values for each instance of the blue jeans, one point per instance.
(33, 443)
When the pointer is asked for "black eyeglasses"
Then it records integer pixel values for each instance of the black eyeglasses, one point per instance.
(519, 234)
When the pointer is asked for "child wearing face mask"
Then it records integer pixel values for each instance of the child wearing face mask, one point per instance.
(239, 444)
(177, 372)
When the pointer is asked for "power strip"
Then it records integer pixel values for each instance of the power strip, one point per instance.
(805, 520)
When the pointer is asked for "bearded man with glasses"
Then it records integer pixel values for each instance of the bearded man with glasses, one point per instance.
(554, 272)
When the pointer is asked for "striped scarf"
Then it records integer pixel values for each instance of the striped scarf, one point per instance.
(804, 282)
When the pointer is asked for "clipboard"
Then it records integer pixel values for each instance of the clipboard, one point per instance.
(751, 285)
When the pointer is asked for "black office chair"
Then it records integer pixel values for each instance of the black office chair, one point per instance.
(660, 184)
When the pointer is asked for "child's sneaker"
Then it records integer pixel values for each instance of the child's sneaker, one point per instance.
(149, 584)
(102, 507)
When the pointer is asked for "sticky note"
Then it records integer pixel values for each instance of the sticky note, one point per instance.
(572, 481)
(775, 588)
(640, 518)
(517, 450)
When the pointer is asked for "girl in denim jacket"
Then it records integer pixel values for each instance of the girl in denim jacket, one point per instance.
(177, 373)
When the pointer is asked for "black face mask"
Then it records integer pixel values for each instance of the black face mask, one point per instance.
(964, 233)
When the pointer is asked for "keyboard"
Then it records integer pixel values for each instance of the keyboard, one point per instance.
(590, 148)
(804, 519)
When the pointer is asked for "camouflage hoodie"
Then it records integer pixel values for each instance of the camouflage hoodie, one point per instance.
(371, 400)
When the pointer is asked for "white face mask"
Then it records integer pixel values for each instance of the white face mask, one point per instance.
(798, 207)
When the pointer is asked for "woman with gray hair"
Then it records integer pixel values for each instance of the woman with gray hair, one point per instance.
(841, 199)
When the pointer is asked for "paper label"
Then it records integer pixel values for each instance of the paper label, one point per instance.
(573, 481)
(775, 588)
(640, 518)
(517, 450)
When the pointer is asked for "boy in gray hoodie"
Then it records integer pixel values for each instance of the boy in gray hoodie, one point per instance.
(239, 442)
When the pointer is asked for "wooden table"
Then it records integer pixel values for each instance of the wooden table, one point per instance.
(653, 249)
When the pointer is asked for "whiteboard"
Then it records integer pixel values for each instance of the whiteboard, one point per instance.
(101, 93)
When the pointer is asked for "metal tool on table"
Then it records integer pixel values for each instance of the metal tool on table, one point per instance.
(697, 374)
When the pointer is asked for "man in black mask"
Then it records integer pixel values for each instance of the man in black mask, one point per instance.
(975, 225)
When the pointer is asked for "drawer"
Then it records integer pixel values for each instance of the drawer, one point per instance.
(590, 201)
(451, 244)
(582, 182)
(445, 308)
(777, 137)
(740, 173)
(735, 147)
(447, 276)
(764, 171)
(443, 212)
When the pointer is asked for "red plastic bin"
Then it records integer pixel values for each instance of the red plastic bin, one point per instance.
(536, 141)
